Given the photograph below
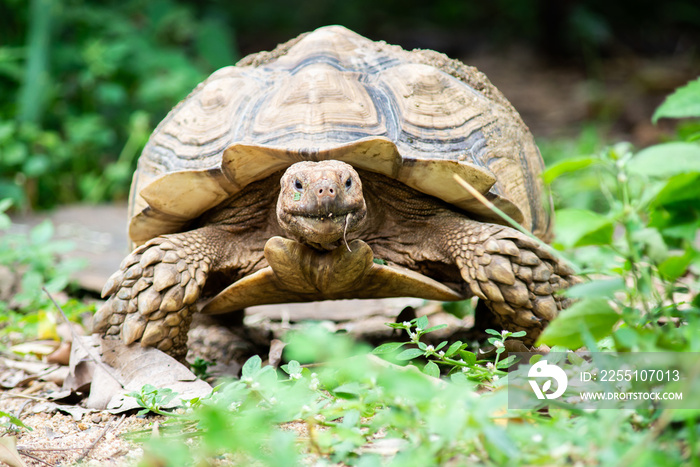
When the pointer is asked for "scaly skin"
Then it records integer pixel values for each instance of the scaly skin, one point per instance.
(154, 292)
(515, 277)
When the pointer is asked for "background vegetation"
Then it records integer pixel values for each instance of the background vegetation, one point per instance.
(83, 83)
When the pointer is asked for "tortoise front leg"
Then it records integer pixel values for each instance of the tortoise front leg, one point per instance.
(515, 277)
(152, 295)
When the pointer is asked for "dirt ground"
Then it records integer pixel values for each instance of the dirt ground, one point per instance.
(554, 102)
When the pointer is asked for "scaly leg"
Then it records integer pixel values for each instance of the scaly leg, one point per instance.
(514, 276)
(152, 295)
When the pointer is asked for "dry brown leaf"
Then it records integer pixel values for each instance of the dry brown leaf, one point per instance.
(8, 452)
(124, 369)
(61, 355)
(137, 366)
(275, 355)
(20, 372)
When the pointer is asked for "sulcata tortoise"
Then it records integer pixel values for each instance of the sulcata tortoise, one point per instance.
(325, 170)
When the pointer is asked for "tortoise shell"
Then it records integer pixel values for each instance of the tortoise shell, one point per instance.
(415, 116)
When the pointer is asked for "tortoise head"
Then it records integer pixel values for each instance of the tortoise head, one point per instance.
(321, 202)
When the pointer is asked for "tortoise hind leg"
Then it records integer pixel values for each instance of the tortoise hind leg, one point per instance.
(152, 295)
(515, 277)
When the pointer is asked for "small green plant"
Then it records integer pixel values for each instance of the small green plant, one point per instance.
(31, 262)
(153, 399)
(455, 358)
(10, 422)
(200, 367)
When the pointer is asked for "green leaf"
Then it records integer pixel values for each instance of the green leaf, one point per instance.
(292, 368)
(684, 102)
(652, 241)
(388, 347)
(665, 160)
(434, 328)
(452, 349)
(468, 357)
(353, 388)
(567, 166)
(675, 266)
(581, 227)
(594, 315)
(251, 367)
(41, 233)
(506, 362)
(604, 288)
(422, 322)
(5, 204)
(351, 418)
(681, 187)
(493, 332)
(409, 354)
(431, 369)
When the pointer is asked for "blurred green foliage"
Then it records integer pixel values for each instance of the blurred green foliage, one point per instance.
(85, 83)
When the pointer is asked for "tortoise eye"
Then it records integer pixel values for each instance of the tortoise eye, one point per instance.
(298, 185)
(348, 183)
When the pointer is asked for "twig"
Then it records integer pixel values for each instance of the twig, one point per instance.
(35, 458)
(21, 409)
(10, 395)
(482, 199)
(76, 338)
(21, 449)
(99, 438)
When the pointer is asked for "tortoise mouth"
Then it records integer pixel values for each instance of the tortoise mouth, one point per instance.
(325, 231)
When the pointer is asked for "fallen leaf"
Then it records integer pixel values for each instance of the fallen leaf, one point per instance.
(275, 355)
(137, 366)
(38, 348)
(8, 452)
(61, 355)
(122, 369)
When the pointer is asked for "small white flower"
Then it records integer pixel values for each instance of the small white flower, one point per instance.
(430, 349)
(504, 333)
(498, 344)
(273, 400)
(537, 438)
(441, 353)
(255, 385)
(407, 324)
(490, 366)
(495, 377)
(295, 376)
